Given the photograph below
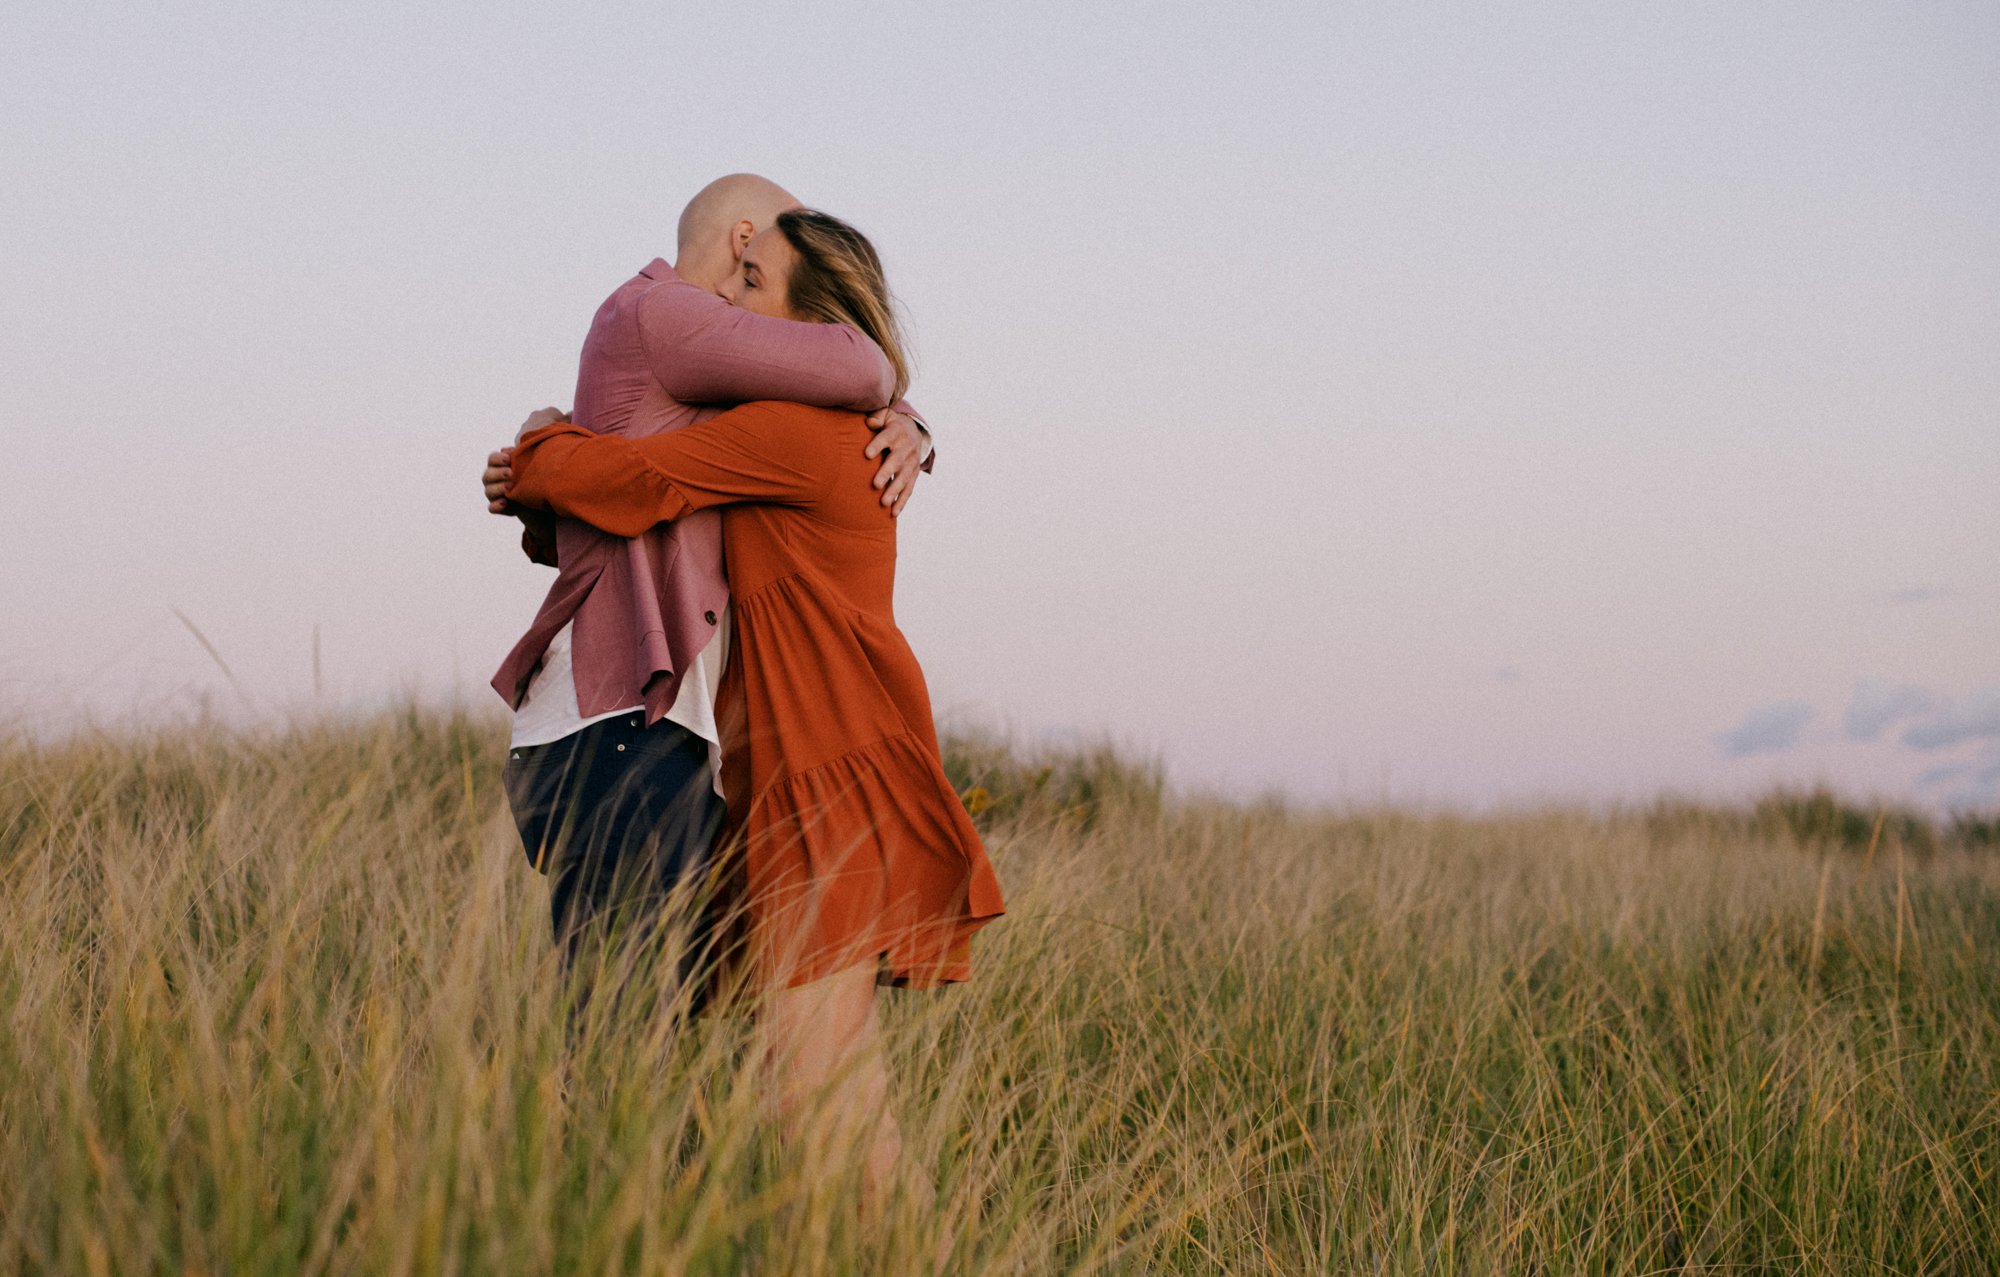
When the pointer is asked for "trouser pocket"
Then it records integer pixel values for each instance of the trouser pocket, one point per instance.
(536, 780)
(619, 815)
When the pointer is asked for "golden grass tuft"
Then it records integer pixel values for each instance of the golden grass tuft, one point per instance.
(284, 1003)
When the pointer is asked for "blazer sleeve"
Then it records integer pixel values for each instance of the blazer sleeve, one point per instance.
(767, 453)
(701, 349)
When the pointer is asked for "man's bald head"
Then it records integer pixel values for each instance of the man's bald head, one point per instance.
(720, 219)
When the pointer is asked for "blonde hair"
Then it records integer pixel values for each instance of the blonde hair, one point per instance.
(838, 280)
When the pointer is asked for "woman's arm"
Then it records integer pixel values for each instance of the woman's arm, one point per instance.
(768, 453)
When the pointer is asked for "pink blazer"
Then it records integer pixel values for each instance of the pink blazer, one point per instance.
(661, 354)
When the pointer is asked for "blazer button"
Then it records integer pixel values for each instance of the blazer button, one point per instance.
(709, 617)
(621, 748)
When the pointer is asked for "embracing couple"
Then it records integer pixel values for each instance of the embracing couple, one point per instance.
(714, 690)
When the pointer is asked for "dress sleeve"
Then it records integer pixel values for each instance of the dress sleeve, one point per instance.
(704, 350)
(767, 453)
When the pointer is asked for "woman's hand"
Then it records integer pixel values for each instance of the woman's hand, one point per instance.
(499, 477)
(537, 419)
(499, 469)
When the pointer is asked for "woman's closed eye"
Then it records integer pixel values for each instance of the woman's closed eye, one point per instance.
(760, 282)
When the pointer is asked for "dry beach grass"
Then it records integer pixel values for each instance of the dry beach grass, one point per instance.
(284, 1003)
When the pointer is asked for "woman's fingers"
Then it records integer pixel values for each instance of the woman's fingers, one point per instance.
(541, 417)
(497, 478)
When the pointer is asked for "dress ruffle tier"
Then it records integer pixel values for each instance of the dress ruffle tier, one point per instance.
(867, 855)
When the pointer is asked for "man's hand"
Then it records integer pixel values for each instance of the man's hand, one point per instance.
(899, 441)
(498, 478)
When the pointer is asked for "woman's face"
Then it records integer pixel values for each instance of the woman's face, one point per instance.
(762, 282)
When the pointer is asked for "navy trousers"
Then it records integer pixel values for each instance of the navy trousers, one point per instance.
(618, 815)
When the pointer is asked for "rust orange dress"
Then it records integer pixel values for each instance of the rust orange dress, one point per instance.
(854, 845)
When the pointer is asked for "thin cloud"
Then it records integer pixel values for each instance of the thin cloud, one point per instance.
(1975, 787)
(1976, 717)
(1917, 594)
(1878, 705)
(1944, 774)
(1766, 729)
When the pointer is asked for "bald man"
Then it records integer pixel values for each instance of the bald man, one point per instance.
(611, 769)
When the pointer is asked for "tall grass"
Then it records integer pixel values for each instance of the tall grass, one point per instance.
(286, 1004)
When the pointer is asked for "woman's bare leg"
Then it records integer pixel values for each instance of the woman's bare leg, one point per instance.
(821, 1049)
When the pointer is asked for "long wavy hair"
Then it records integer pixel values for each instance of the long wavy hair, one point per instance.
(838, 280)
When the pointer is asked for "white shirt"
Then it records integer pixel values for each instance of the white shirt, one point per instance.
(550, 711)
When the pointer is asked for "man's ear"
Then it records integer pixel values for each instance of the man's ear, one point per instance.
(740, 236)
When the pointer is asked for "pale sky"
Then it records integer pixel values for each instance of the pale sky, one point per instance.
(1451, 404)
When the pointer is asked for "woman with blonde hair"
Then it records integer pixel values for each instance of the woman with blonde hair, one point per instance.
(857, 862)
